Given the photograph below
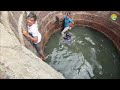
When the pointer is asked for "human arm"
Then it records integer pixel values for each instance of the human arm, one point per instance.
(71, 23)
(33, 39)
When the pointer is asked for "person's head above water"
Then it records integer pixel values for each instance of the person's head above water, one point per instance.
(31, 19)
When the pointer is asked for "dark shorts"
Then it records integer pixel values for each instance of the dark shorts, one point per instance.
(37, 47)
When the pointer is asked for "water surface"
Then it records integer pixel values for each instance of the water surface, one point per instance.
(89, 55)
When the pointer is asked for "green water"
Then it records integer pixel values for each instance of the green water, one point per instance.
(89, 56)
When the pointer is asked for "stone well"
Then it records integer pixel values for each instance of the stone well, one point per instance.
(99, 20)
(14, 46)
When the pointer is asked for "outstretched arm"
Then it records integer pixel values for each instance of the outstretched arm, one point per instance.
(72, 22)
